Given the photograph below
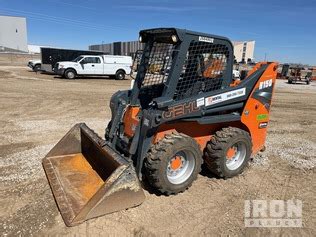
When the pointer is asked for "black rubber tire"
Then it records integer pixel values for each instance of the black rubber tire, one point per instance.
(307, 82)
(158, 157)
(37, 68)
(216, 150)
(120, 75)
(67, 74)
(289, 81)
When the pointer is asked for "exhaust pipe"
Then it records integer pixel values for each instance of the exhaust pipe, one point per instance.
(89, 179)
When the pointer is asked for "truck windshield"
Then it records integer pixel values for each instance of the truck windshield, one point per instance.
(77, 59)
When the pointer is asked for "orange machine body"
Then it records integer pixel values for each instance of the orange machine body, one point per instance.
(131, 120)
(256, 114)
(254, 118)
(202, 133)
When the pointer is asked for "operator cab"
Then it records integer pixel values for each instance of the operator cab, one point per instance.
(177, 64)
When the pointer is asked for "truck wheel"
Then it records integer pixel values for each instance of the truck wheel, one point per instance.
(70, 74)
(37, 68)
(289, 81)
(173, 163)
(120, 75)
(228, 152)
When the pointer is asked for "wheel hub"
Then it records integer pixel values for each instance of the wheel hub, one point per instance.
(231, 153)
(235, 156)
(176, 163)
(180, 167)
(70, 74)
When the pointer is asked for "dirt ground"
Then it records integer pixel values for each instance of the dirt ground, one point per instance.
(36, 110)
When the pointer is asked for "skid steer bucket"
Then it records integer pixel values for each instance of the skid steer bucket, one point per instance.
(89, 178)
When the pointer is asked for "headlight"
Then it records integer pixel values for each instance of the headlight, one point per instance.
(174, 38)
(140, 39)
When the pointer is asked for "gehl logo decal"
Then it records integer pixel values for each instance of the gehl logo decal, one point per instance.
(179, 110)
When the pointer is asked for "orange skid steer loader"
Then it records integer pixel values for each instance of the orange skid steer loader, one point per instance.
(184, 109)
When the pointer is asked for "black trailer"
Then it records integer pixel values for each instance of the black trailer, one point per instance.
(285, 71)
(50, 56)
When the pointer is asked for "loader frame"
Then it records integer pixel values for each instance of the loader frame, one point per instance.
(167, 108)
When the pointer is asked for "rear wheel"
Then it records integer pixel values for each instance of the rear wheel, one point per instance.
(228, 152)
(70, 74)
(120, 75)
(173, 163)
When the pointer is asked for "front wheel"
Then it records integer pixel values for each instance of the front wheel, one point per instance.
(173, 163)
(120, 75)
(37, 68)
(228, 152)
(70, 74)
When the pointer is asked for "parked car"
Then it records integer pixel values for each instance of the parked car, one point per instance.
(35, 65)
(97, 65)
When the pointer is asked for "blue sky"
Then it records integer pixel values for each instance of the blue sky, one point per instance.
(284, 30)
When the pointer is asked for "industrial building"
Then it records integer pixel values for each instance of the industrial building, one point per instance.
(119, 48)
(243, 50)
(13, 34)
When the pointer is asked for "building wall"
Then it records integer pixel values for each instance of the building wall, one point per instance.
(33, 49)
(242, 50)
(250, 49)
(13, 33)
(238, 51)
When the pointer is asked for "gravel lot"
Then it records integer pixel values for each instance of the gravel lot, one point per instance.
(38, 109)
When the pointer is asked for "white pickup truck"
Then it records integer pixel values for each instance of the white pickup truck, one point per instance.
(35, 65)
(95, 65)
